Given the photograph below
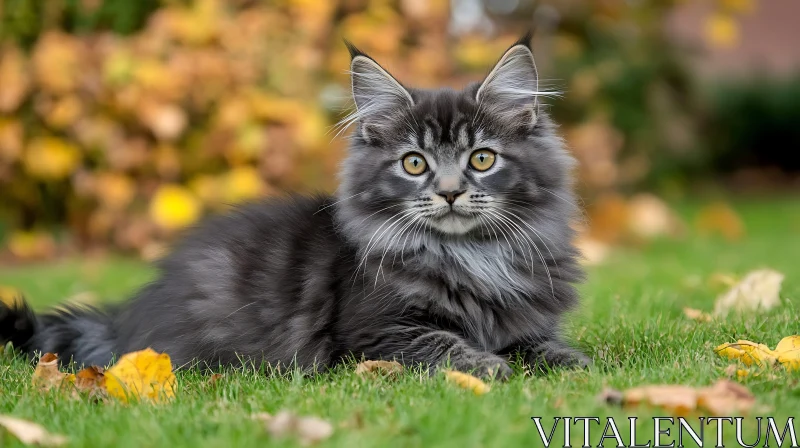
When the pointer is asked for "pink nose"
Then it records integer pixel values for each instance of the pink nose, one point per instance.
(450, 196)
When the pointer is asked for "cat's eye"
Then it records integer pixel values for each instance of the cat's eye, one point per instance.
(482, 159)
(414, 164)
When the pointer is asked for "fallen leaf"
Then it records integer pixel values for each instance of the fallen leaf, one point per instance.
(698, 315)
(758, 291)
(91, 381)
(467, 381)
(786, 353)
(725, 398)
(678, 400)
(47, 376)
(722, 398)
(650, 217)
(142, 375)
(379, 368)
(748, 352)
(308, 430)
(30, 433)
(720, 218)
(593, 252)
(212, 380)
(734, 370)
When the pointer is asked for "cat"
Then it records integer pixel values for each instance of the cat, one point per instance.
(448, 244)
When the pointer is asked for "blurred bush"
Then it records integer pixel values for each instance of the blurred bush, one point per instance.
(760, 114)
(123, 121)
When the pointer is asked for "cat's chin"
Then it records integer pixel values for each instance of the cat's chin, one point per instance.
(454, 224)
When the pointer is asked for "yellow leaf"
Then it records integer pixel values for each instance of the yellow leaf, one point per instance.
(30, 433)
(722, 31)
(173, 207)
(143, 375)
(788, 351)
(49, 158)
(758, 291)
(748, 352)
(467, 381)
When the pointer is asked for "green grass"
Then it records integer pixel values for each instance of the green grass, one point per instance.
(631, 323)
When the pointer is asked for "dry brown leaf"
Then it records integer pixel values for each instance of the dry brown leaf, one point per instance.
(725, 398)
(47, 376)
(30, 433)
(592, 251)
(91, 380)
(720, 218)
(698, 315)
(379, 368)
(650, 217)
(722, 398)
(758, 291)
(676, 399)
(213, 379)
(467, 381)
(308, 430)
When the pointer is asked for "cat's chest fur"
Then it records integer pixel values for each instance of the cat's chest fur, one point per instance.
(484, 289)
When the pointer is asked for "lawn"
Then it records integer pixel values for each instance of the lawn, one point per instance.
(630, 323)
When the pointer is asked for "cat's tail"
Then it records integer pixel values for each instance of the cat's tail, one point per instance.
(81, 334)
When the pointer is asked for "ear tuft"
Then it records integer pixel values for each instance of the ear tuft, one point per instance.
(511, 89)
(354, 51)
(377, 94)
(525, 40)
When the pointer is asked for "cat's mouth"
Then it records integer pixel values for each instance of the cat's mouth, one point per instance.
(452, 220)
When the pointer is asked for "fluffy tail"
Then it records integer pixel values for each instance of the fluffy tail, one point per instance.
(81, 334)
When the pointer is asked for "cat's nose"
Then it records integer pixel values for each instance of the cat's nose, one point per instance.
(450, 196)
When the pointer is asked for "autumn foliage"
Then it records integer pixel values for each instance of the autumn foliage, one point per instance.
(119, 140)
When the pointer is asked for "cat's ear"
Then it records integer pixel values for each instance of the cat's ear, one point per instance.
(512, 87)
(377, 94)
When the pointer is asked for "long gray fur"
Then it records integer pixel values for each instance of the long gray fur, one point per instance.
(386, 269)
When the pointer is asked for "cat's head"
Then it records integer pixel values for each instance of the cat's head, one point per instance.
(456, 164)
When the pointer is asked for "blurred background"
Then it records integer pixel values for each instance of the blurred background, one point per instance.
(122, 122)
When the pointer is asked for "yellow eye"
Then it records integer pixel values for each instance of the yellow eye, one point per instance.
(482, 159)
(414, 164)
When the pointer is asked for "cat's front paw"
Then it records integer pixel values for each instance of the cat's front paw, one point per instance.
(484, 365)
(550, 356)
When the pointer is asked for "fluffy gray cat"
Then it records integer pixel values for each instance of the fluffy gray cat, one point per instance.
(448, 243)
